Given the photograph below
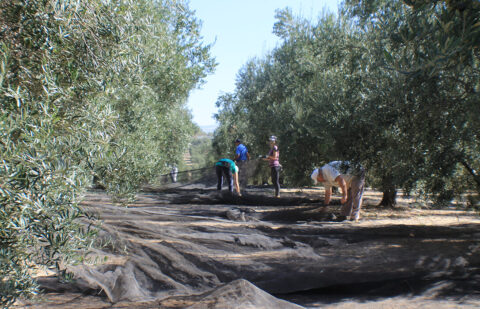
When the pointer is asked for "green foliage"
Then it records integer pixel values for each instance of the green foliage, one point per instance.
(393, 85)
(201, 150)
(87, 88)
(47, 128)
(280, 95)
(159, 60)
(431, 49)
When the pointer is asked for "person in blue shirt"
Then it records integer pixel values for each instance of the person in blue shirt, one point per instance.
(241, 158)
(227, 168)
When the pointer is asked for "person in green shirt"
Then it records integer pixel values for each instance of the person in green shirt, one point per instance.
(227, 168)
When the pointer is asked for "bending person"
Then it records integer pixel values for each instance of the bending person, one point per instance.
(227, 168)
(351, 182)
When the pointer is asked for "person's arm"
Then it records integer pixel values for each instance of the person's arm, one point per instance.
(236, 155)
(266, 157)
(274, 155)
(235, 182)
(328, 195)
(248, 156)
(343, 187)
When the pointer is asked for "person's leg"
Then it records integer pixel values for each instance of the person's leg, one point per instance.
(358, 185)
(242, 174)
(219, 171)
(275, 173)
(229, 177)
(277, 189)
(346, 208)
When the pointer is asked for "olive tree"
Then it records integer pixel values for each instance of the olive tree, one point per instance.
(392, 85)
(159, 60)
(429, 48)
(50, 69)
(87, 88)
(297, 92)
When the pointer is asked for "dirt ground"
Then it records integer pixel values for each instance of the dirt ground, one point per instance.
(298, 212)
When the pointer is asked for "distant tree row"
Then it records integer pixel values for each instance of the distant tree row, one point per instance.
(201, 151)
(89, 90)
(391, 84)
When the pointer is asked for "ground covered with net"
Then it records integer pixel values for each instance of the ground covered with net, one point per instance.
(188, 246)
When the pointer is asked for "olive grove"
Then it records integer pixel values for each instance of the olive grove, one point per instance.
(393, 85)
(89, 90)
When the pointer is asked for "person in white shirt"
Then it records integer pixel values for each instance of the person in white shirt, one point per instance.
(174, 174)
(351, 181)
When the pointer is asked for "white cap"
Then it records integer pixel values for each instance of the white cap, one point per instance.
(315, 175)
(273, 138)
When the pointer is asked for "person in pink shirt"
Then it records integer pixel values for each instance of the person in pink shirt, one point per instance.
(274, 163)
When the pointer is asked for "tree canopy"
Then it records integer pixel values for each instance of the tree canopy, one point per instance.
(393, 85)
(89, 89)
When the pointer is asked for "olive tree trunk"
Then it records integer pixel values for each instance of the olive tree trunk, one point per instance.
(389, 198)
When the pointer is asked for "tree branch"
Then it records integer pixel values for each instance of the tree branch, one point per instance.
(476, 177)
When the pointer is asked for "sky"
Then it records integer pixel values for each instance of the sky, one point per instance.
(239, 30)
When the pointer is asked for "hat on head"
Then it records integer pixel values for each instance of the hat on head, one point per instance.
(315, 175)
(273, 138)
(238, 141)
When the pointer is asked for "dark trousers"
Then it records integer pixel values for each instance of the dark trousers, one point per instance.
(224, 171)
(275, 173)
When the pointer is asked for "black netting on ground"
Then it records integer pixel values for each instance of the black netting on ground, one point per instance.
(185, 238)
(205, 176)
(254, 171)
